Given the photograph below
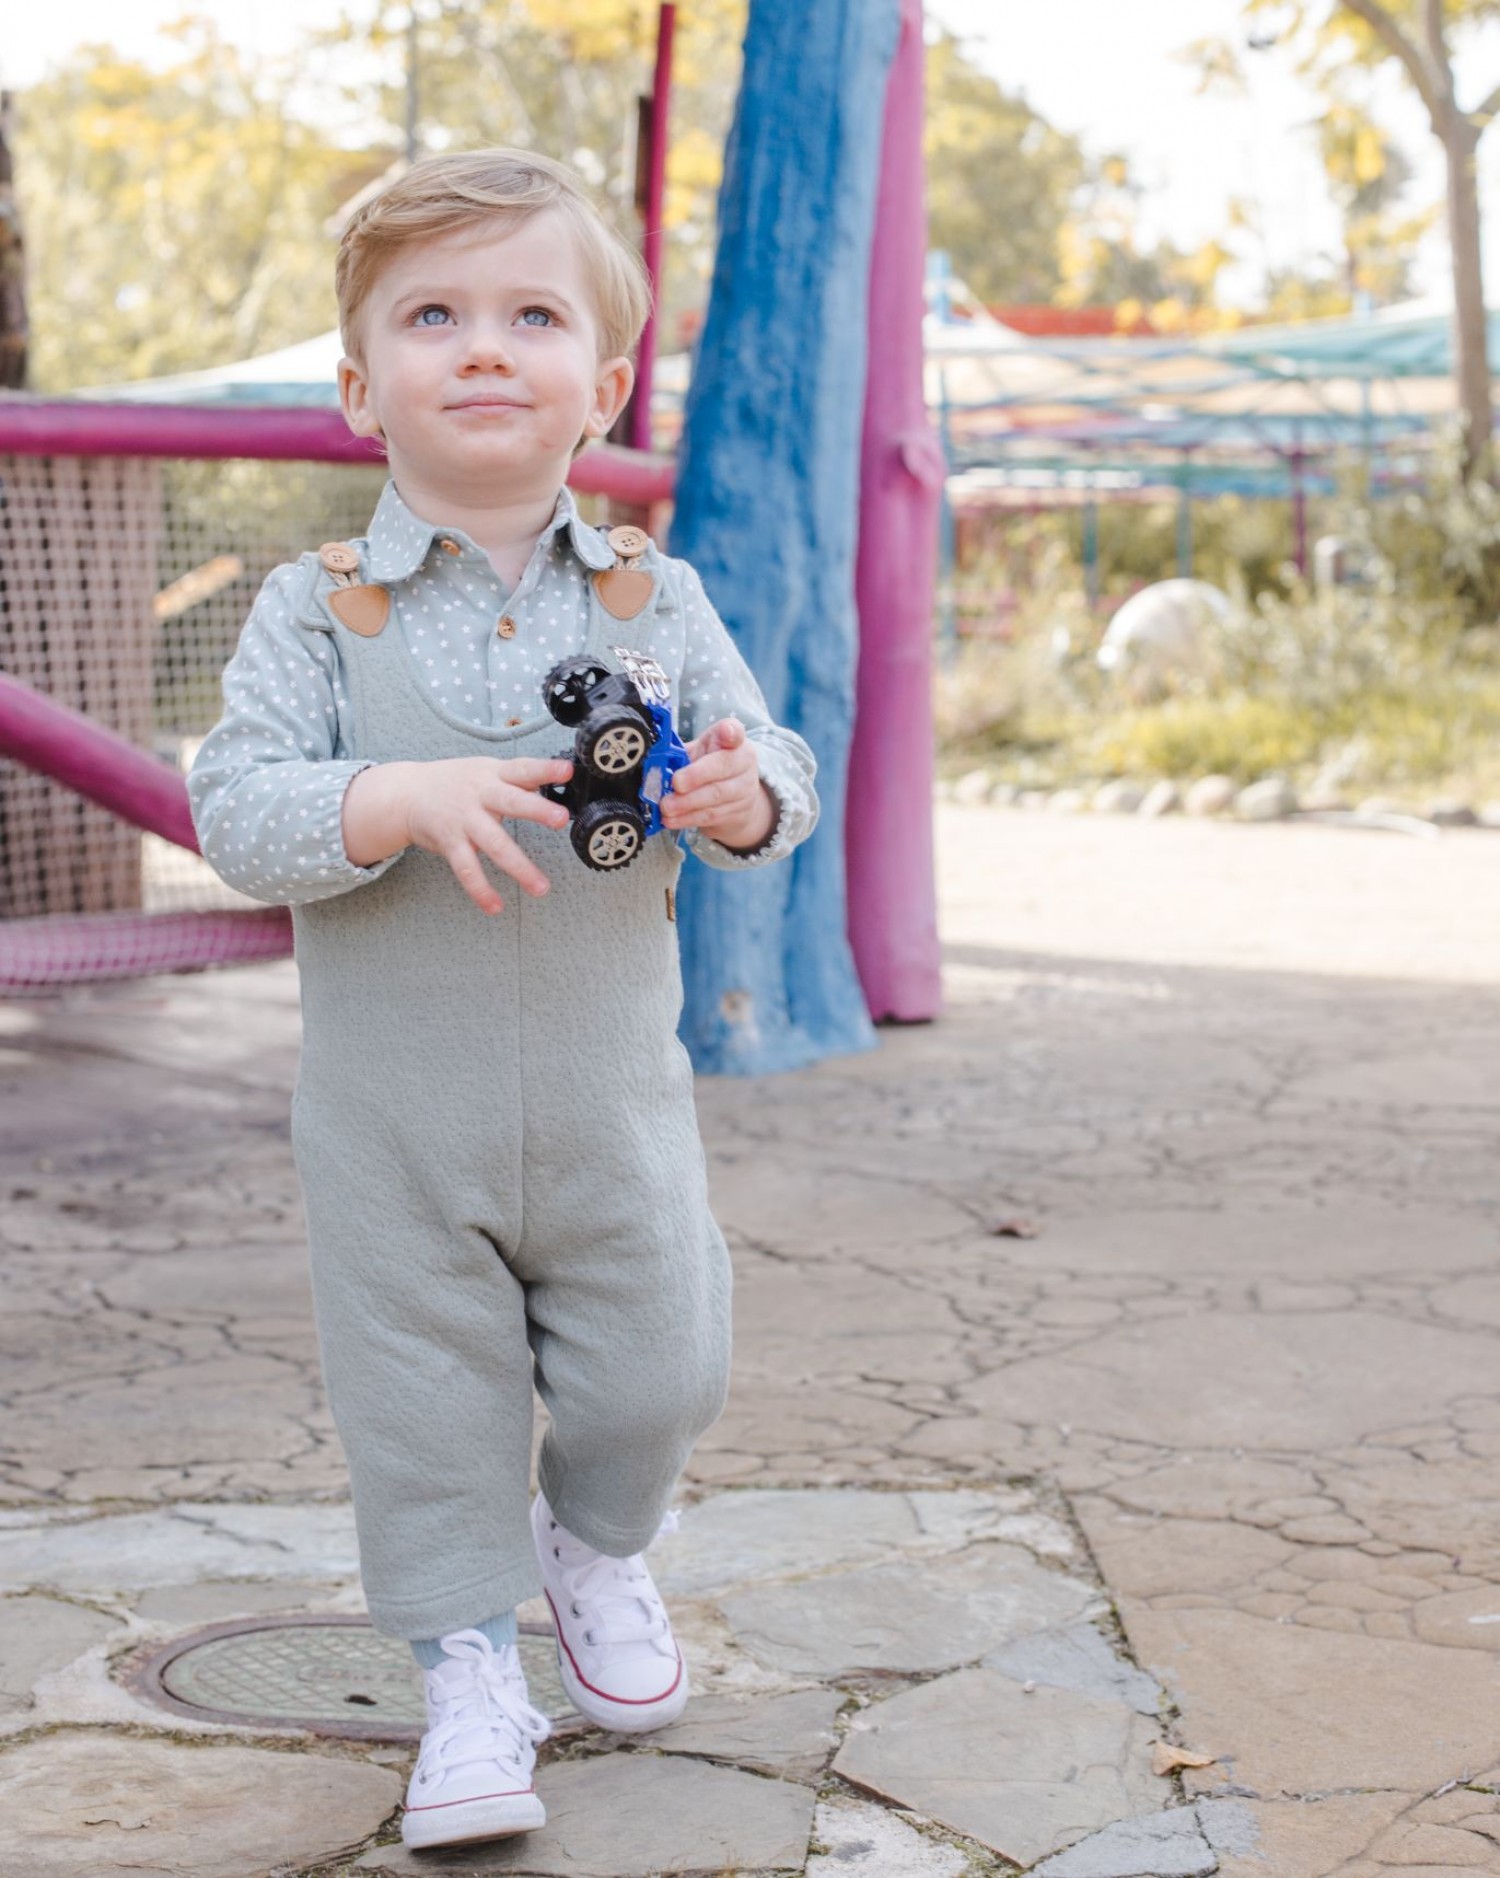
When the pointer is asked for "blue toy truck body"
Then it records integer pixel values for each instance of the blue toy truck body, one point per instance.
(625, 752)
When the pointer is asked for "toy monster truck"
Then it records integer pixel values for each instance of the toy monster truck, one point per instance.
(625, 754)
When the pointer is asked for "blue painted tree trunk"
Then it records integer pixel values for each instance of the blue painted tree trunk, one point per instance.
(768, 502)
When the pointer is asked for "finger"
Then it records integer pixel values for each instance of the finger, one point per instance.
(717, 766)
(727, 734)
(719, 797)
(461, 857)
(521, 806)
(530, 772)
(492, 840)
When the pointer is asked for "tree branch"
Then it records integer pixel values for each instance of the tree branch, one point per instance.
(1406, 50)
(1438, 61)
(1482, 114)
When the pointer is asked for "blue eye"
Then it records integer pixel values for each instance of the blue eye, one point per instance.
(419, 318)
(544, 311)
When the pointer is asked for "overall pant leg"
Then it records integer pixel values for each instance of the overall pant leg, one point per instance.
(628, 1285)
(423, 1333)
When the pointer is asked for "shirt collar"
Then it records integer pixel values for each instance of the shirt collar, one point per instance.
(401, 541)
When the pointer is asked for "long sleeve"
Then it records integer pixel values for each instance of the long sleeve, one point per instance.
(267, 785)
(717, 683)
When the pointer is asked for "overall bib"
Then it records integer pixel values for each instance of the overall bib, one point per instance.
(495, 1133)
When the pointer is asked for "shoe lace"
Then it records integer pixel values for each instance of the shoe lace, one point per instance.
(616, 1595)
(480, 1715)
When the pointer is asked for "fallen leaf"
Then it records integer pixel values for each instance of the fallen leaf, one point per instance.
(1015, 1229)
(1166, 1759)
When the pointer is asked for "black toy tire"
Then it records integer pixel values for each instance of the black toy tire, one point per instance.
(608, 835)
(567, 686)
(612, 741)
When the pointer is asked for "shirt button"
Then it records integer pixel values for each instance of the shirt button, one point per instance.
(449, 546)
(507, 627)
(513, 721)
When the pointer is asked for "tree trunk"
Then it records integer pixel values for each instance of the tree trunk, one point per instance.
(1471, 366)
(12, 275)
(767, 502)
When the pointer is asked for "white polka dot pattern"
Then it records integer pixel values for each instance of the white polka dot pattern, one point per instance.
(267, 787)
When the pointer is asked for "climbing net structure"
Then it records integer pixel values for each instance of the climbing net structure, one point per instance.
(132, 543)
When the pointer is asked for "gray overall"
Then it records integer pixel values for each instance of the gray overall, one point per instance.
(495, 1132)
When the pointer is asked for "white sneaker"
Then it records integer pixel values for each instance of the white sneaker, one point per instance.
(620, 1663)
(473, 1774)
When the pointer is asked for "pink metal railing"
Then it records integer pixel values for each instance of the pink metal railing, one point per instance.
(56, 427)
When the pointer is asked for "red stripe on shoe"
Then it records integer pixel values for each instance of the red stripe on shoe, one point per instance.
(620, 1701)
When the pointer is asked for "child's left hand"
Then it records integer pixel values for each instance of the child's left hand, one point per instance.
(719, 791)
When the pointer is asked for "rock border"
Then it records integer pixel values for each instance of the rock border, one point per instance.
(1219, 798)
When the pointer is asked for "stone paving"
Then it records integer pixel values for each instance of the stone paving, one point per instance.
(1116, 1367)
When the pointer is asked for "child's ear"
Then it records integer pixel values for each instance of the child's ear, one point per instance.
(355, 401)
(612, 387)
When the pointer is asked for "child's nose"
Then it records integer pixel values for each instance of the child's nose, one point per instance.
(489, 349)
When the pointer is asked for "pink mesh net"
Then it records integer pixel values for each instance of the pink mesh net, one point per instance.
(124, 582)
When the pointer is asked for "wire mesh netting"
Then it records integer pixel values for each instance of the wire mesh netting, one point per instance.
(124, 582)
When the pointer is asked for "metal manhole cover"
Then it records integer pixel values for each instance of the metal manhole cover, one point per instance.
(330, 1675)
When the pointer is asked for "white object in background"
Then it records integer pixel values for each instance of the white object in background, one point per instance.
(1163, 629)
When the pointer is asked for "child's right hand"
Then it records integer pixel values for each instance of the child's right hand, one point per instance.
(456, 808)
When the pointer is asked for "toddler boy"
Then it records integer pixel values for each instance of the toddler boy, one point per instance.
(494, 1121)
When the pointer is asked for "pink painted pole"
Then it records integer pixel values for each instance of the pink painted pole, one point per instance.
(656, 189)
(888, 839)
(93, 761)
(75, 427)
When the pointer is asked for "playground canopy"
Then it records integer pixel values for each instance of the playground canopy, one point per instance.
(1260, 411)
(1263, 410)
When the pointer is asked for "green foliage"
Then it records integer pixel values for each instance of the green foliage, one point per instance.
(1026, 216)
(1104, 263)
(1237, 736)
(174, 219)
(1392, 682)
(1441, 547)
(1233, 540)
(1440, 732)
(1007, 700)
(182, 218)
(564, 77)
(1001, 180)
(179, 219)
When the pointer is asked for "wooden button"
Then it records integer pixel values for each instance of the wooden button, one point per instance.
(628, 542)
(338, 557)
(513, 721)
(449, 546)
(507, 627)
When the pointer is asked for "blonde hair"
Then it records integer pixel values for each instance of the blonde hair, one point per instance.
(466, 189)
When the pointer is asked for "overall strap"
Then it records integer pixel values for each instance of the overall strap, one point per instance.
(362, 606)
(624, 599)
(333, 594)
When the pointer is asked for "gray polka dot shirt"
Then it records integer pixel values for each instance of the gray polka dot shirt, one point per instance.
(267, 786)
